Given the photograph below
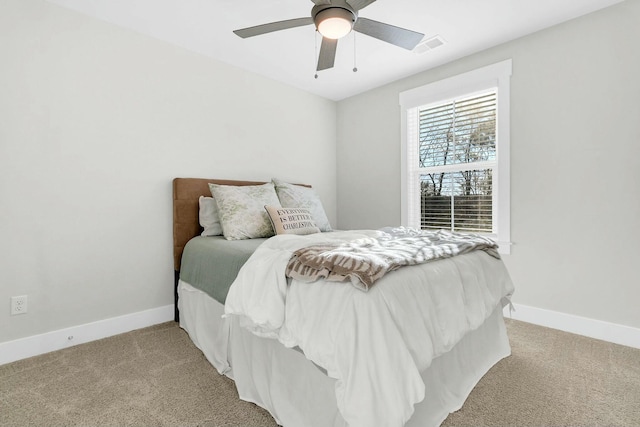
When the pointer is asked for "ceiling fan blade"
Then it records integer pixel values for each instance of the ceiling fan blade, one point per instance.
(319, 2)
(359, 4)
(273, 26)
(327, 54)
(388, 33)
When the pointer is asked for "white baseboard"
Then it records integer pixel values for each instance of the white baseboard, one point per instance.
(611, 332)
(11, 351)
(39, 344)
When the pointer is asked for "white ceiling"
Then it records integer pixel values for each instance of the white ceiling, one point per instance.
(205, 26)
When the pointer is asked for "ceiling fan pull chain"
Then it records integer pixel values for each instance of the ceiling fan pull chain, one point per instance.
(355, 68)
(315, 38)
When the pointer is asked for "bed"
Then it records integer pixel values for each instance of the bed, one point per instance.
(295, 375)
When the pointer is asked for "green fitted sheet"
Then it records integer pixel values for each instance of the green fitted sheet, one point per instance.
(211, 263)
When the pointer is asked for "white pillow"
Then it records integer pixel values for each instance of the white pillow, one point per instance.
(298, 196)
(241, 209)
(291, 220)
(209, 219)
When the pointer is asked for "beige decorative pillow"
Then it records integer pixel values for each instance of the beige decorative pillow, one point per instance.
(291, 220)
(297, 196)
(241, 209)
(208, 216)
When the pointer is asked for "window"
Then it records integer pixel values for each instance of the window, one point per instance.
(455, 154)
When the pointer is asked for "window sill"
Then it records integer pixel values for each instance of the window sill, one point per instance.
(504, 247)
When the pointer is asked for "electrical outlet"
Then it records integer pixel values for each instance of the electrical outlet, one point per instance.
(18, 305)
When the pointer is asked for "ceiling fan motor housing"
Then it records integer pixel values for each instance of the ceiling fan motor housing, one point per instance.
(337, 9)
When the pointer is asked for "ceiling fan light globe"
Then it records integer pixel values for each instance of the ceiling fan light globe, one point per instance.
(334, 28)
(334, 23)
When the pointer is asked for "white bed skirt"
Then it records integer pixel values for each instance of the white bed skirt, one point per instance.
(298, 394)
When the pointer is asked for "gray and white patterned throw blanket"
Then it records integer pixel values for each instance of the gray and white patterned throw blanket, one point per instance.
(364, 261)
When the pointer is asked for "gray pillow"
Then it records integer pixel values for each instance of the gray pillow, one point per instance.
(208, 216)
(298, 196)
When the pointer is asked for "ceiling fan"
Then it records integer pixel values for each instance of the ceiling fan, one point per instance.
(335, 19)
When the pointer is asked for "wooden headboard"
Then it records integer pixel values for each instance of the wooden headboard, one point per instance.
(186, 222)
(186, 225)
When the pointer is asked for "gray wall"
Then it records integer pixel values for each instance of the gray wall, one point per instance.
(575, 157)
(95, 121)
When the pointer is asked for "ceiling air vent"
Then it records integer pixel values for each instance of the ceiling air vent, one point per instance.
(429, 44)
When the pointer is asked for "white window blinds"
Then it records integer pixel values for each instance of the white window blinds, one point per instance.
(455, 160)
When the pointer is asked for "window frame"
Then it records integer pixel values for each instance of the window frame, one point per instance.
(496, 76)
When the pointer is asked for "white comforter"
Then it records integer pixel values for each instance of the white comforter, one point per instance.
(376, 343)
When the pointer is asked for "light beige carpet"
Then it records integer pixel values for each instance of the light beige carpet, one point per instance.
(156, 377)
